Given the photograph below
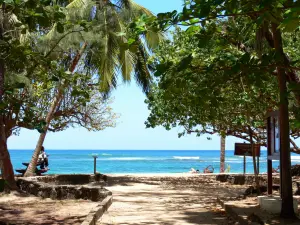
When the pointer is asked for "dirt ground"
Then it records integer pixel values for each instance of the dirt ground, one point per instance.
(149, 199)
(24, 209)
(167, 200)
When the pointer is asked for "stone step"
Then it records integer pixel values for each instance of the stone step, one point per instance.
(246, 214)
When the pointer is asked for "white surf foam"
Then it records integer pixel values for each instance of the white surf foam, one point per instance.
(295, 158)
(125, 159)
(186, 157)
(106, 154)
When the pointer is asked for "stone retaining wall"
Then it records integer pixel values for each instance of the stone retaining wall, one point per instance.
(74, 179)
(250, 180)
(245, 179)
(65, 187)
(96, 213)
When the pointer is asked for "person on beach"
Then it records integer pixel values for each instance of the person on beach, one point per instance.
(277, 170)
(193, 171)
(209, 169)
(43, 159)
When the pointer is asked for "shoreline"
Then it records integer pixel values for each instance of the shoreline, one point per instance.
(159, 174)
(176, 174)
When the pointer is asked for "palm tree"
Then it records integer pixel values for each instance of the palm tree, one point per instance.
(103, 50)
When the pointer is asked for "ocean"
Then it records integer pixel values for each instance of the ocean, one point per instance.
(141, 161)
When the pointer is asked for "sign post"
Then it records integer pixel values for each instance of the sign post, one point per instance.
(257, 164)
(245, 149)
(244, 164)
(95, 156)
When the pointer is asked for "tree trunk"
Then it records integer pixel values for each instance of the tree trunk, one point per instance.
(58, 98)
(254, 161)
(32, 165)
(7, 170)
(222, 155)
(287, 210)
(5, 162)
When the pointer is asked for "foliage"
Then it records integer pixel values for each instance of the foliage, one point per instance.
(266, 21)
(82, 106)
(18, 60)
(110, 51)
(208, 101)
(33, 74)
(19, 19)
(243, 50)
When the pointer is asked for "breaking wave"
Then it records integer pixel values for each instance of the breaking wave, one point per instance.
(186, 157)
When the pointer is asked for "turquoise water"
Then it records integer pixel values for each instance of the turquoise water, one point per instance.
(128, 161)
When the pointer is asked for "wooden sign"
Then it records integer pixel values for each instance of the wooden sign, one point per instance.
(244, 149)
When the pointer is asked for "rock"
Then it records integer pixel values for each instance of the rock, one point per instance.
(222, 177)
(39, 194)
(253, 218)
(33, 188)
(74, 186)
(239, 179)
(73, 179)
(53, 194)
(295, 170)
(252, 190)
(296, 187)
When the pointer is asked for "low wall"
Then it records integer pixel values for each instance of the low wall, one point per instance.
(246, 179)
(65, 187)
(74, 179)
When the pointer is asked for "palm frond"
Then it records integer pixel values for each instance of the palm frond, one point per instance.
(133, 7)
(105, 55)
(142, 73)
(127, 61)
(77, 4)
(152, 39)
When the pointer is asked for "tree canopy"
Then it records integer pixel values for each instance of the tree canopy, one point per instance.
(263, 51)
(213, 101)
(186, 95)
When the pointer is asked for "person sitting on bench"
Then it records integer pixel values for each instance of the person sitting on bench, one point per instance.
(43, 159)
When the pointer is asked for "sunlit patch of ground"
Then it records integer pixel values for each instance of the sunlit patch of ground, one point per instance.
(169, 200)
(18, 208)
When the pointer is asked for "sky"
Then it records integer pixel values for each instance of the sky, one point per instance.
(130, 132)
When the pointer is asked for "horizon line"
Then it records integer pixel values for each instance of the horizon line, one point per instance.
(127, 149)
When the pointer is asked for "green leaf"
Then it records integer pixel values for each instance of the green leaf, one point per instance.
(20, 85)
(120, 34)
(2, 105)
(24, 30)
(54, 78)
(75, 92)
(290, 24)
(60, 27)
(294, 86)
(194, 20)
(193, 29)
(130, 41)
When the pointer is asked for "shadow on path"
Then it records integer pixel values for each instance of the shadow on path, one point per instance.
(165, 201)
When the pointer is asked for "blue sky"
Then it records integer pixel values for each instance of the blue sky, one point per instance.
(130, 132)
